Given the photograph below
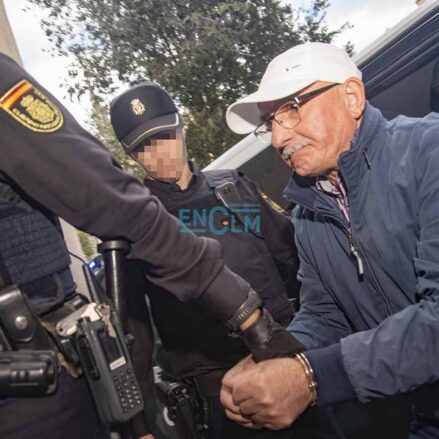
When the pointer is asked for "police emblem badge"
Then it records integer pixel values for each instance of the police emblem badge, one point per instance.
(32, 108)
(137, 107)
(272, 203)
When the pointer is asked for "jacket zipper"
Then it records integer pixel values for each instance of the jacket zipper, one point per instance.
(377, 287)
(348, 230)
(358, 260)
(354, 253)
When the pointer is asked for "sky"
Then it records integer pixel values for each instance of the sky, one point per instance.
(370, 19)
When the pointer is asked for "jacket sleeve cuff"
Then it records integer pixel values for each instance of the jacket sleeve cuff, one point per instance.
(333, 384)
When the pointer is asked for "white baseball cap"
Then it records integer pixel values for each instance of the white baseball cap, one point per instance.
(288, 73)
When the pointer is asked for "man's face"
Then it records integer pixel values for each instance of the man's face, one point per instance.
(163, 156)
(327, 126)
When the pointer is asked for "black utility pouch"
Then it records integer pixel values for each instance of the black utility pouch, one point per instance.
(21, 329)
(28, 364)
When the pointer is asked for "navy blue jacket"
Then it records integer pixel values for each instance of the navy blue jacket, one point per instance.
(382, 328)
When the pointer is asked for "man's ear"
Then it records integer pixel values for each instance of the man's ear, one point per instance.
(355, 96)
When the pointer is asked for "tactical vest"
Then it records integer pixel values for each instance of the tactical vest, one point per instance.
(194, 338)
(33, 254)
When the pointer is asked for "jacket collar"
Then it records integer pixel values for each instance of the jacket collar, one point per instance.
(353, 164)
(163, 186)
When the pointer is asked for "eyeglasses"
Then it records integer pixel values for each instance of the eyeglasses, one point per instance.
(287, 115)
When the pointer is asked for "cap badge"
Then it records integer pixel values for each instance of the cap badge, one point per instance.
(137, 107)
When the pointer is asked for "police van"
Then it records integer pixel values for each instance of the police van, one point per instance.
(401, 75)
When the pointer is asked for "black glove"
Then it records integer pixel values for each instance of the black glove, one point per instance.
(267, 339)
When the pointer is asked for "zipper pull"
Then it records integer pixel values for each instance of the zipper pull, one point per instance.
(355, 254)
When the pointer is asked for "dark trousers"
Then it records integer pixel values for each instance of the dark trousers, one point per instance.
(313, 424)
(380, 419)
(68, 414)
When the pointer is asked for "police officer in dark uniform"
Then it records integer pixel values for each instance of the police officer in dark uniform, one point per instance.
(257, 242)
(51, 167)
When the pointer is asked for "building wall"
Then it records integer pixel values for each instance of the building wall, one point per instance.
(7, 41)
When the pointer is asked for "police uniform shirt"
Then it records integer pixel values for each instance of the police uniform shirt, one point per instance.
(65, 169)
(252, 257)
(276, 227)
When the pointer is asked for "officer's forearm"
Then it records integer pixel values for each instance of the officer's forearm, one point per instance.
(252, 319)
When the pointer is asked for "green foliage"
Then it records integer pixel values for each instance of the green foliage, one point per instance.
(206, 53)
(88, 248)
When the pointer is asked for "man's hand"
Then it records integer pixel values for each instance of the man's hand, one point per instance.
(148, 436)
(270, 394)
(232, 410)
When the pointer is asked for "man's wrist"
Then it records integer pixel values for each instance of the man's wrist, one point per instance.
(310, 376)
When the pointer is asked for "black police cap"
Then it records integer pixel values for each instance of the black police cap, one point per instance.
(141, 112)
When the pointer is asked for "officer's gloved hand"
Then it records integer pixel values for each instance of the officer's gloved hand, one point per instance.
(267, 339)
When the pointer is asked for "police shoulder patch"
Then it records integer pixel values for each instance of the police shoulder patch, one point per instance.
(32, 108)
(271, 203)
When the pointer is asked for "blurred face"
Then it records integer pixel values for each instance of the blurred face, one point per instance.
(163, 156)
(327, 125)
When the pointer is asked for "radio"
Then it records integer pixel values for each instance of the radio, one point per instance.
(98, 338)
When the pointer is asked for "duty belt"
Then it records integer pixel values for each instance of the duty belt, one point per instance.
(21, 329)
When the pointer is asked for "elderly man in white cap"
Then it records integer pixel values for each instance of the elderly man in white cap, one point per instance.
(367, 230)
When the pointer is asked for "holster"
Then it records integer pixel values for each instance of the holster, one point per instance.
(67, 356)
(190, 413)
(208, 385)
